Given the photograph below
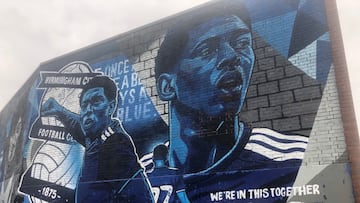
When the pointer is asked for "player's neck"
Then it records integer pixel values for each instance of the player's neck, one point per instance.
(160, 164)
(197, 142)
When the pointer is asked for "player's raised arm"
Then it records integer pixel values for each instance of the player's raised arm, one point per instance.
(70, 119)
(51, 108)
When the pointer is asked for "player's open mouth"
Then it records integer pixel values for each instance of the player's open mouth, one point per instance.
(230, 82)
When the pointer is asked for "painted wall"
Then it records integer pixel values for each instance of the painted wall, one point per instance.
(234, 101)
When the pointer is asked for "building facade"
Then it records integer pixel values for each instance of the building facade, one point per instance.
(249, 101)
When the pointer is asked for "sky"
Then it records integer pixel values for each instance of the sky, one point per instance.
(35, 31)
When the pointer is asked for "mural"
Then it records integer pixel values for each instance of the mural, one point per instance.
(218, 105)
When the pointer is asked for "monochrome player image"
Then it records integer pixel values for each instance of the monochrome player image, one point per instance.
(166, 182)
(203, 70)
(111, 167)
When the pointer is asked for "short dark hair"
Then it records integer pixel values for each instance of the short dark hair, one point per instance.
(160, 152)
(172, 47)
(110, 88)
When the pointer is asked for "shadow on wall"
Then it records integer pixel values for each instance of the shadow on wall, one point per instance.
(334, 182)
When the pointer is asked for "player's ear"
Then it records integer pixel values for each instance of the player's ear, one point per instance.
(112, 105)
(166, 87)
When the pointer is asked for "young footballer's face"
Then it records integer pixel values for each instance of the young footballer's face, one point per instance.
(214, 73)
(95, 112)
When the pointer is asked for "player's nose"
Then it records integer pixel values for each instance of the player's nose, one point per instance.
(228, 58)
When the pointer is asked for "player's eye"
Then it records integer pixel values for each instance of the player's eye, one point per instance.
(205, 49)
(96, 100)
(241, 42)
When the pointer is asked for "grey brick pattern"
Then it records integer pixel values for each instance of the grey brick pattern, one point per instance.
(326, 142)
(144, 47)
(281, 94)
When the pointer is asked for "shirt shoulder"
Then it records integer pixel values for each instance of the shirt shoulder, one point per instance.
(276, 146)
